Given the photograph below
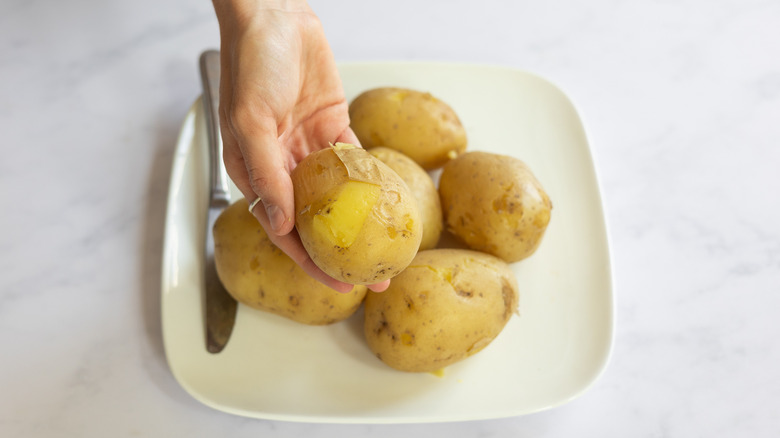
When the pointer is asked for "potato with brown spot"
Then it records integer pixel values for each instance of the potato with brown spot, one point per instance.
(258, 274)
(494, 204)
(356, 217)
(422, 187)
(447, 305)
(415, 123)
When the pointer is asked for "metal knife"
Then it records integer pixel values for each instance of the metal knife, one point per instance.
(220, 306)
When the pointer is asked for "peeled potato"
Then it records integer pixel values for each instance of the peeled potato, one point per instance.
(356, 217)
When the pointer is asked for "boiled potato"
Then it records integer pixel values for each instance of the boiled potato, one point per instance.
(258, 274)
(494, 204)
(446, 306)
(356, 217)
(423, 189)
(414, 123)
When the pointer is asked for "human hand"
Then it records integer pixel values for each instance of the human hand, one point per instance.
(281, 99)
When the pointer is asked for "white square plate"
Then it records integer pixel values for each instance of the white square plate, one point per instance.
(552, 352)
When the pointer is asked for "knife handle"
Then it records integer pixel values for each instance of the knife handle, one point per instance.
(218, 178)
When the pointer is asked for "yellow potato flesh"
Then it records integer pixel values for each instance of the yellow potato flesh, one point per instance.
(341, 219)
(444, 274)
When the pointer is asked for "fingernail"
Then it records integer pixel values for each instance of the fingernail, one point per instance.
(275, 216)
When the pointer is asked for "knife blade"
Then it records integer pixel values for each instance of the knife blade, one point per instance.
(220, 315)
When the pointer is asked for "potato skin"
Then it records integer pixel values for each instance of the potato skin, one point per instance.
(414, 123)
(422, 187)
(446, 306)
(494, 204)
(258, 274)
(390, 235)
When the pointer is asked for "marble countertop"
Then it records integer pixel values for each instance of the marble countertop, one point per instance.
(681, 101)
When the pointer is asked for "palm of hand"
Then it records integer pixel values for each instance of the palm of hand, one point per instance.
(285, 90)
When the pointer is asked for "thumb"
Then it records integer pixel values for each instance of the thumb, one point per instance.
(269, 178)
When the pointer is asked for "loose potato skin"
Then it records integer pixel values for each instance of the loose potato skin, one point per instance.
(414, 123)
(494, 204)
(422, 187)
(258, 274)
(355, 216)
(447, 305)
